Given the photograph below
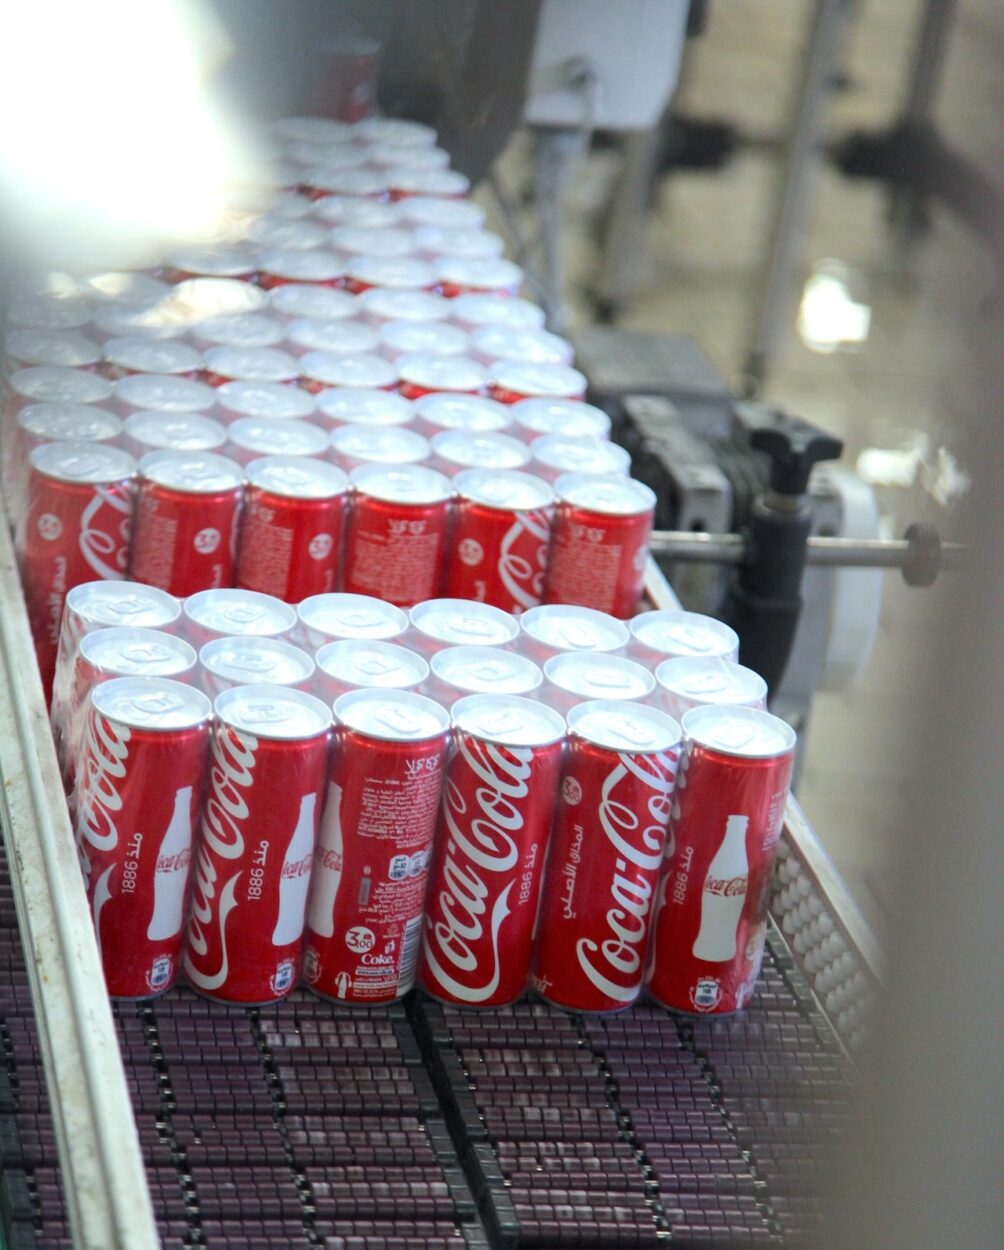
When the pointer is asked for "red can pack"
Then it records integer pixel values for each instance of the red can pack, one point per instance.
(606, 853)
(408, 180)
(498, 806)
(185, 535)
(137, 800)
(500, 539)
(247, 660)
(397, 532)
(424, 374)
(371, 870)
(255, 851)
(600, 542)
(514, 380)
(291, 531)
(711, 917)
(74, 528)
(327, 618)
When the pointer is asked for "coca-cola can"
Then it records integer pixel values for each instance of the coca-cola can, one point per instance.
(381, 304)
(291, 530)
(371, 869)
(711, 915)
(488, 275)
(41, 385)
(140, 354)
(424, 374)
(137, 799)
(583, 677)
(229, 612)
(249, 364)
(338, 338)
(500, 539)
(557, 628)
(396, 273)
(514, 380)
(693, 681)
(23, 348)
(408, 180)
(391, 155)
(327, 618)
(47, 311)
(484, 889)
(255, 849)
(669, 633)
(153, 324)
(600, 542)
(251, 438)
(556, 454)
(265, 401)
(397, 532)
(347, 210)
(238, 329)
(471, 312)
(435, 413)
(183, 263)
(359, 405)
(304, 299)
(384, 241)
(161, 431)
(185, 535)
(357, 444)
(155, 392)
(439, 623)
(353, 183)
(571, 418)
(460, 671)
(321, 370)
(74, 528)
(430, 210)
(358, 663)
(249, 660)
(282, 231)
(456, 450)
(315, 265)
(471, 243)
(501, 342)
(422, 338)
(50, 423)
(606, 853)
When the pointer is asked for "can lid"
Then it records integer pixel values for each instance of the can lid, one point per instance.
(344, 615)
(51, 347)
(195, 300)
(340, 338)
(285, 232)
(370, 662)
(278, 438)
(507, 490)
(568, 627)
(487, 273)
(476, 308)
(184, 431)
(297, 299)
(419, 181)
(570, 454)
(428, 210)
(138, 289)
(270, 400)
(271, 711)
(609, 493)
(679, 633)
(508, 720)
(289, 204)
(252, 364)
(426, 338)
(349, 211)
(164, 393)
(480, 451)
(60, 386)
(395, 130)
(401, 483)
(457, 621)
(252, 329)
(486, 670)
(117, 603)
(385, 444)
(151, 703)
(233, 611)
(311, 130)
(387, 155)
(570, 417)
(526, 378)
(146, 355)
(398, 272)
(86, 423)
(364, 369)
(501, 342)
(364, 405)
(297, 477)
(593, 676)
(212, 262)
(125, 321)
(391, 715)
(128, 651)
(320, 159)
(627, 727)
(442, 373)
(463, 412)
(360, 181)
(192, 472)
(386, 304)
(744, 732)
(311, 265)
(469, 242)
(92, 463)
(246, 660)
(374, 240)
(48, 312)
(711, 680)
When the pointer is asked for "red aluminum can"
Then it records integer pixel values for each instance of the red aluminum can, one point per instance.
(160, 431)
(711, 914)
(344, 337)
(391, 273)
(361, 405)
(255, 849)
(247, 660)
(23, 348)
(41, 385)
(465, 670)
(184, 263)
(426, 210)
(136, 354)
(456, 450)
(230, 612)
(572, 418)
(251, 438)
(557, 628)
(359, 444)
(425, 338)
(185, 535)
(514, 380)
(488, 275)
(245, 329)
(279, 265)
(137, 799)
(384, 303)
(500, 539)
(324, 618)
(408, 180)
(670, 633)
(267, 401)
(249, 364)
(557, 454)
(606, 853)
(500, 342)
(305, 299)
(498, 807)
(694, 681)
(371, 869)
(439, 623)
(357, 663)
(291, 531)
(382, 241)
(164, 393)
(470, 312)
(475, 413)
(600, 542)
(50, 423)
(321, 370)
(74, 528)
(424, 374)
(582, 677)
(397, 533)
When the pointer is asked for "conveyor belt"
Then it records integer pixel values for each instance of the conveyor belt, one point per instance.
(306, 1125)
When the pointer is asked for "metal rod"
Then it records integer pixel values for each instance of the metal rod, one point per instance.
(865, 553)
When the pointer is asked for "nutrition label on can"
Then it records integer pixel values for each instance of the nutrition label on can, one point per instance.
(154, 544)
(266, 554)
(398, 565)
(586, 572)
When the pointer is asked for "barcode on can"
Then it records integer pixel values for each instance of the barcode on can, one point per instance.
(409, 954)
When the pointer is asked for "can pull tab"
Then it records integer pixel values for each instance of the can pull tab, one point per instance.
(267, 713)
(630, 733)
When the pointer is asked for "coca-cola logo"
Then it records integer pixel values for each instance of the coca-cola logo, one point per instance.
(523, 578)
(104, 543)
(106, 750)
(480, 841)
(614, 964)
(50, 526)
(174, 863)
(299, 868)
(225, 811)
(730, 887)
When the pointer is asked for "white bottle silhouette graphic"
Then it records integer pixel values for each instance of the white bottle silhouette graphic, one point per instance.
(327, 879)
(171, 875)
(724, 895)
(293, 887)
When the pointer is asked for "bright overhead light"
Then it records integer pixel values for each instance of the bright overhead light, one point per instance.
(830, 319)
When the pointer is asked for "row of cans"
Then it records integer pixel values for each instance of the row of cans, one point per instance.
(428, 845)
